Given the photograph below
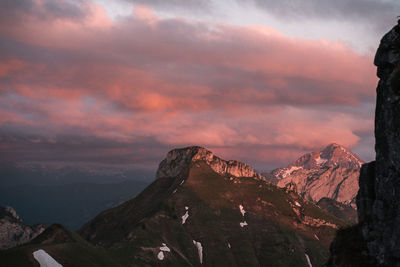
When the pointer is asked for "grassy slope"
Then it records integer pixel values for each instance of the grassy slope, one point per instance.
(275, 236)
(65, 246)
(342, 211)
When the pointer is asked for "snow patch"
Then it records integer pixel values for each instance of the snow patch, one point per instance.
(243, 224)
(182, 182)
(199, 250)
(174, 191)
(242, 211)
(288, 172)
(229, 245)
(297, 204)
(316, 237)
(320, 161)
(308, 260)
(163, 248)
(160, 255)
(44, 259)
(186, 215)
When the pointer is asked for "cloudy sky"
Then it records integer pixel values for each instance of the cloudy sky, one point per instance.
(123, 82)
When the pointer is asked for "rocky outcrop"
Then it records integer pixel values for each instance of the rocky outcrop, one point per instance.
(378, 200)
(331, 172)
(178, 159)
(13, 231)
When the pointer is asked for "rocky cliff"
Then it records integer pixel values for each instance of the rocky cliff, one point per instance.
(331, 172)
(376, 240)
(379, 200)
(178, 159)
(13, 231)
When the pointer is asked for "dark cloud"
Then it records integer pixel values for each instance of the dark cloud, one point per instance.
(19, 10)
(18, 146)
(376, 14)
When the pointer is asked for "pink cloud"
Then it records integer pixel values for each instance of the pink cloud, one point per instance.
(184, 82)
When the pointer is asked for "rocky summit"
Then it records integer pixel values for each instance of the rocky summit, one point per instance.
(178, 159)
(328, 173)
(379, 197)
(13, 231)
(376, 240)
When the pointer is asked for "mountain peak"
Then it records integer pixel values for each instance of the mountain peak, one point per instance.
(330, 172)
(177, 159)
(13, 231)
(333, 155)
(8, 211)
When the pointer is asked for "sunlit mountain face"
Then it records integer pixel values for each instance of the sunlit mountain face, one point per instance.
(119, 83)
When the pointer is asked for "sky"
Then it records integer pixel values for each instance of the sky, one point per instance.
(120, 83)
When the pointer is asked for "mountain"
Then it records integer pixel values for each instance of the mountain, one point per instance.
(57, 245)
(331, 172)
(13, 231)
(340, 210)
(375, 241)
(205, 211)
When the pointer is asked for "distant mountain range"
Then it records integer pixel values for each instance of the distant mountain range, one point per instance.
(203, 211)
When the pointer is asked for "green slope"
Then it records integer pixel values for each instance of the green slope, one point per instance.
(281, 229)
(65, 246)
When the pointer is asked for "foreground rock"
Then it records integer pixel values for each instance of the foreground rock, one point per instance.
(13, 231)
(328, 173)
(378, 234)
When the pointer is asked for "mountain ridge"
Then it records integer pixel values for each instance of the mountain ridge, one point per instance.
(14, 231)
(179, 158)
(233, 221)
(197, 213)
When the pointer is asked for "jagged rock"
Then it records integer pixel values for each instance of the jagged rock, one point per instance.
(13, 231)
(332, 172)
(378, 199)
(291, 187)
(178, 159)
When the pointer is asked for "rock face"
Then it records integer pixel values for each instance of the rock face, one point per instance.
(13, 231)
(379, 199)
(178, 159)
(376, 240)
(331, 172)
